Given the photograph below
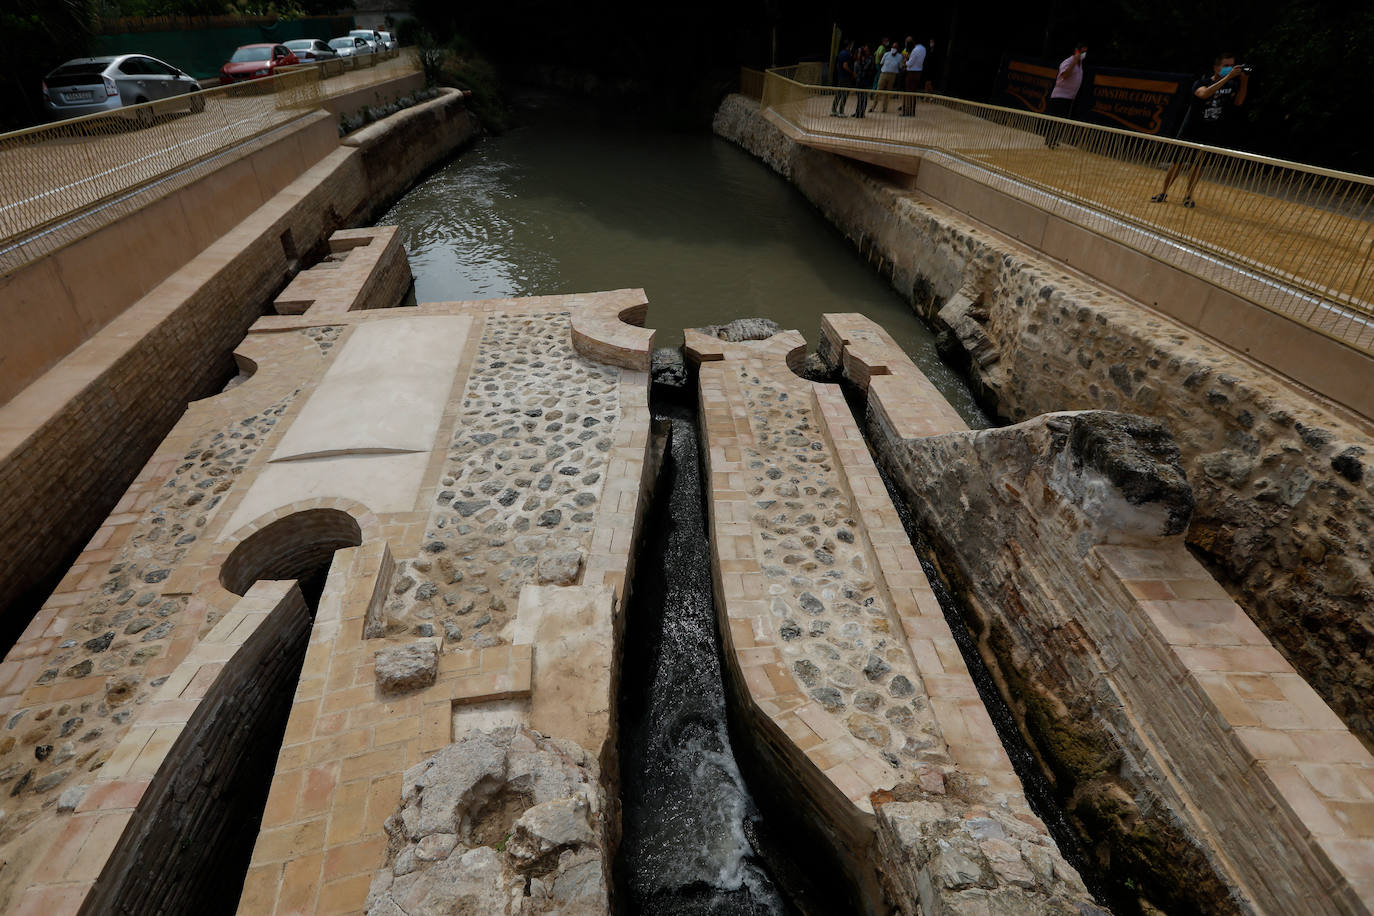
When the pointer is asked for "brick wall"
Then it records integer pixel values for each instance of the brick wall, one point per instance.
(186, 847)
(71, 442)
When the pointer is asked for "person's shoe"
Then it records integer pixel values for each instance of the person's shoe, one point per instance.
(1158, 198)
(1188, 202)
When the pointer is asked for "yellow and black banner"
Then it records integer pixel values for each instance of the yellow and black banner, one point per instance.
(1026, 84)
(1141, 100)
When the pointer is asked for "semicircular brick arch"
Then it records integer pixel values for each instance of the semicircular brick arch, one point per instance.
(287, 547)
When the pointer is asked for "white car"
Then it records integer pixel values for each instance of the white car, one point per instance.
(350, 46)
(389, 40)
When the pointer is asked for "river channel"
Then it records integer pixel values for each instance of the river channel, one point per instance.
(577, 199)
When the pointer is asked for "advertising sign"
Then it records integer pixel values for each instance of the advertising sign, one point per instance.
(1141, 100)
(1026, 84)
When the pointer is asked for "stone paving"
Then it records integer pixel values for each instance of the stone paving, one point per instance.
(841, 657)
(521, 486)
(306, 447)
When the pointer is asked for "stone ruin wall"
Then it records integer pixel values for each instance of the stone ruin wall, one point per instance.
(1207, 775)
(1284, 490)
(860, 710)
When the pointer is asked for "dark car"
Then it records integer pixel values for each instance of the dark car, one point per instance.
(89, 85)
(255, 61)
(308, 49)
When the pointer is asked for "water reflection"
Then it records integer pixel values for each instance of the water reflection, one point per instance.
(569, 202)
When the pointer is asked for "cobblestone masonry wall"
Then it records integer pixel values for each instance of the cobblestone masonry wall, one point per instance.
(840, 659)
(196, 795)
(521, 485)
(1185, 746)
(108, 637)
(1284, 487)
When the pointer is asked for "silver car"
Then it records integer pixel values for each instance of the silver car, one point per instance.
(89, 85)
(348, 46)
(307, 49)
(374, 41)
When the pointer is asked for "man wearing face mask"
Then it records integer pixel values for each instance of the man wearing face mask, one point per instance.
(1211, 120)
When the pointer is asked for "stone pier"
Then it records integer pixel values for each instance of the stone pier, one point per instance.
(1217, 778)
(840, 658)
(414, 527)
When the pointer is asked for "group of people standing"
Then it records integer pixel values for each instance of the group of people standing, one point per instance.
(870, 75)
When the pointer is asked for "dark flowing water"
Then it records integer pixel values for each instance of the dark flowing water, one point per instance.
(689, 845)
(574, 201)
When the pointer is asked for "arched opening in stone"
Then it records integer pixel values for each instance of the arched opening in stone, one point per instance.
(298, 547)
(189, 844)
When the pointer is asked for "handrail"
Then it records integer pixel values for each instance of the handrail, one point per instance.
(1105, 128)
(1293, 238)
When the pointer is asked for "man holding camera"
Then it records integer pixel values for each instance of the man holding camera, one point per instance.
(1211, 119)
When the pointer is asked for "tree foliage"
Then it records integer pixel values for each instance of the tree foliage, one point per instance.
(39, 35)
(1304, 103)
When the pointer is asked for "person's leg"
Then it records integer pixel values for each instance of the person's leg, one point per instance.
(861, 103)
(1058, 108)
(1192, 181)
(885, 87)
(1169, 176)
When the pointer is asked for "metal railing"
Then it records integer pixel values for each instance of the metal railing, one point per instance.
(52, 173)
(1292, 238)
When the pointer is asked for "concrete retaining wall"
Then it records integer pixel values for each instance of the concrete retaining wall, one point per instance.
(1285, 497)
(56, 302)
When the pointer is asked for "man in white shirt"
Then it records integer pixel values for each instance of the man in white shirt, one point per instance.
(915, 70)
(890, 66)
(1066, 86)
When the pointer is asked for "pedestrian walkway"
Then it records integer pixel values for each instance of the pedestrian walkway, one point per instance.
(1291, 238)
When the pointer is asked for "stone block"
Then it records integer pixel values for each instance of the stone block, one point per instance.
(408, 667)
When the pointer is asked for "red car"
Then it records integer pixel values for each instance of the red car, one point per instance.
(255, 61)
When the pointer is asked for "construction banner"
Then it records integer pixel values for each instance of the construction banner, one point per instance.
(1140, 100)
(1026, 84)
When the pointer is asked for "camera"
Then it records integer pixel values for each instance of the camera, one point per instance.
(1246, 68)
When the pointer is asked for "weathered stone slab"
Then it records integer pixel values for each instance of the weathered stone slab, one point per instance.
(1155, 698)
(503, 823)
(407, 667)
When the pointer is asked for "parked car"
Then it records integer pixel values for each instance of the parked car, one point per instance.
(256, 61)
(370, 36)
(88, 85)
(308, 49)
(349, 46)
(389, 40)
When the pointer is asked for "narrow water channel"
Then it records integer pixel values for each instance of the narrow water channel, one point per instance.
(689, 843)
